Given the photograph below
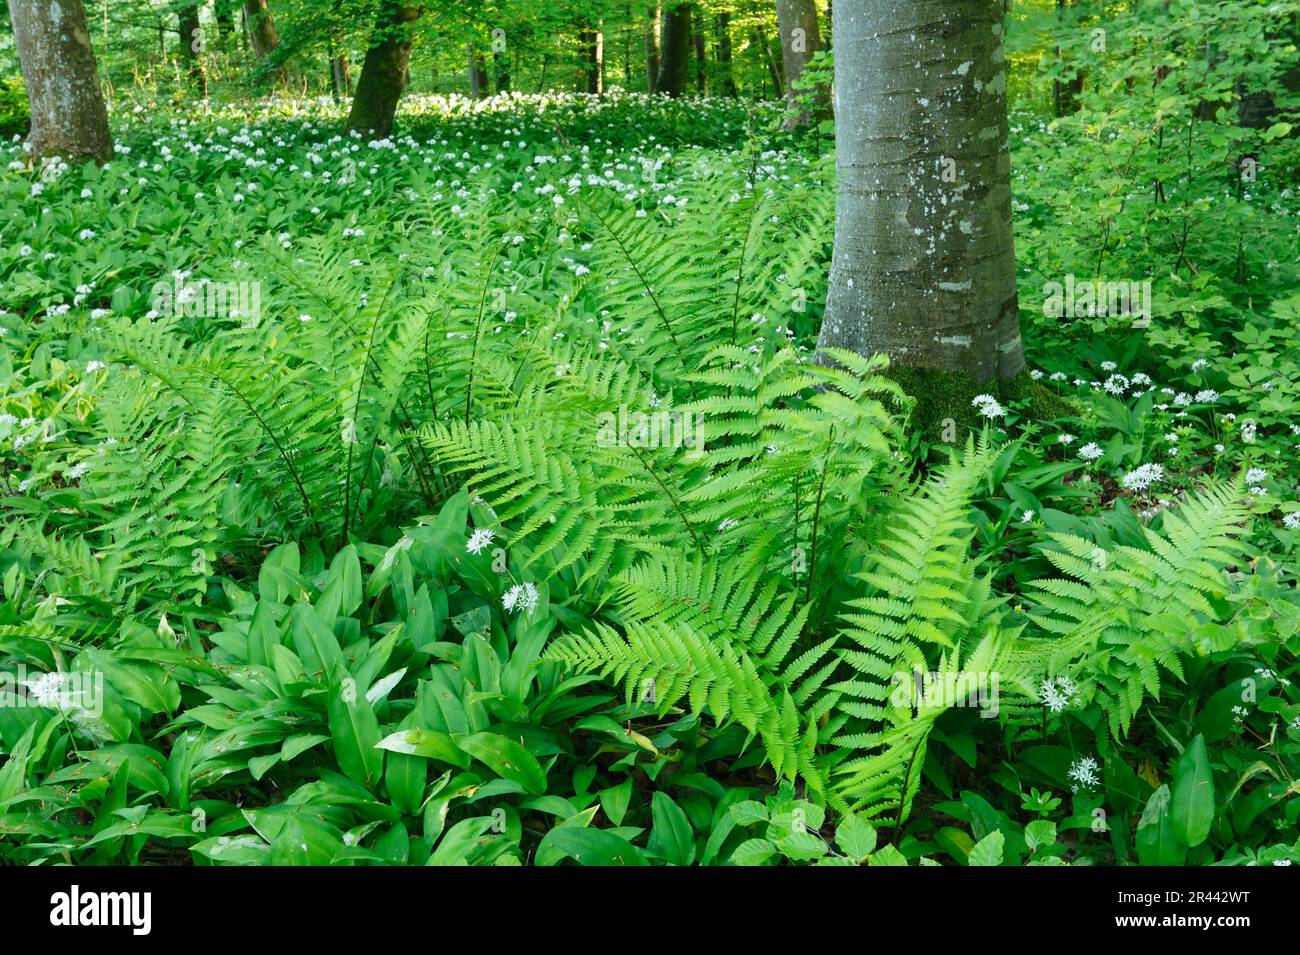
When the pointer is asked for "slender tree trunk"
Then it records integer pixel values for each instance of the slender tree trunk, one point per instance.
(262, 35)
(478, 79)
(192, 45)
(225, 19)
(924, 265)
(773, 72)
(58, 64)
(701, 57)
(384, 72)
(340, 76)
(652, 48)
(675, 49)
(501, 65)
(592, 42)
(1065, 93)
(724, 55)
(800, 39)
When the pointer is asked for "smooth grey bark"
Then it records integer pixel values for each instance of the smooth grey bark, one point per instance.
(652, 47)
(67, 107)
(800, 39)
(923, 267)
(675, 49)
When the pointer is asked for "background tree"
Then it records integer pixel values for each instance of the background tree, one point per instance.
(67, 108)
(800, 39)
(384, 73)
(675, 49)
(924, 265)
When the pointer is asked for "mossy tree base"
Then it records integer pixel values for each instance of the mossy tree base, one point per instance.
(943, 412)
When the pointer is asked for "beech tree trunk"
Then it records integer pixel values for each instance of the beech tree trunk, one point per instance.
(773, 72)
(724, 55)
(478, 80)
(592, 42)
(923, 265)
(701, 58)
(384, 72)
(261, 27)
(192, 44)
(675, 49)
(340, 76)
(225, 21)
(58, 65)
(262, 35)
(501, 64)
(800, 39)
(652, 48)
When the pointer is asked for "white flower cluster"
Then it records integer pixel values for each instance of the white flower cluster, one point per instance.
(1085, 773)
(1139, 479)
(1056, 694)
(521, 597)
(988, 406)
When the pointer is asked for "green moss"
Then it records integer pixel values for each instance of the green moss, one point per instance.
(1040, 402)
(944, 413)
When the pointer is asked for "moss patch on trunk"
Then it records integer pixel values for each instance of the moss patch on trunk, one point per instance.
(944, 413)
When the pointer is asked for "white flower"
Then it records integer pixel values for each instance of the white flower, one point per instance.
(85, 234)
(1207, 396)
(479, 540)
(1292, 520)
(1108, 366)
(1090, 452)
(1066, 439)
(1084, 773)
(1116, 384)
(1026, 517)
(1143, 477)
(1256, 476)
(988, 406)
(520, 597)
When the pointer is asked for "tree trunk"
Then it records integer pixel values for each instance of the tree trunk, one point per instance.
(340, 76)
(68, 116)
(592, 42)
(924, 265)
(262, 34)
(800, 39)
(501, 64)
(773, 73)
(701, 58)
(652, 48)
(478, 80)
(724, 54)
(675, 49)
(225, 20)
(384, 72)
(261, 27)
(191, 47)
(1065, 93)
